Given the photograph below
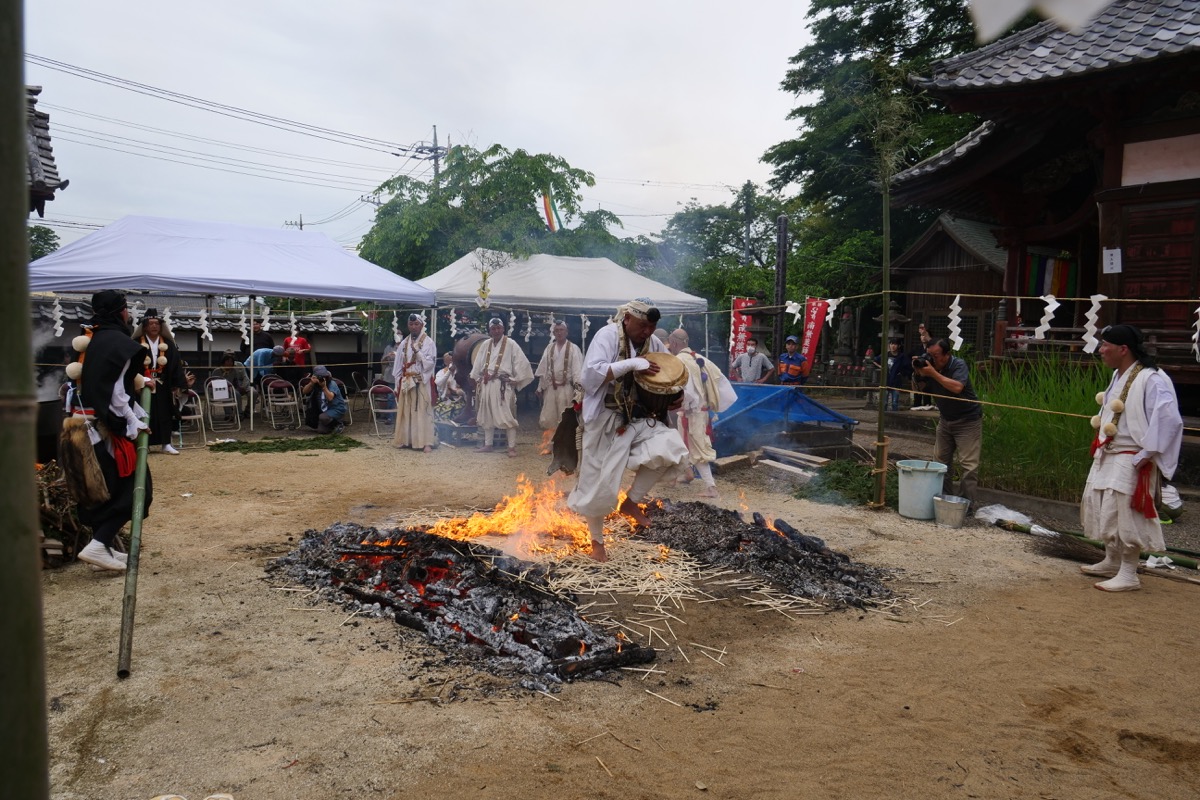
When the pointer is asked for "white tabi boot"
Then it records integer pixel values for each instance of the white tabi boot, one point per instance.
(1126, 579)
(100, 557)
(1109, 566)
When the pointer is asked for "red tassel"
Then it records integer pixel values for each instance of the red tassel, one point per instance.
(125, 454)
(1096, 444)
(1143, 500)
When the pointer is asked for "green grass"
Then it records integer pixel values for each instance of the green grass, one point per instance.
(845, 483)
(275, 444)
(1026, 450)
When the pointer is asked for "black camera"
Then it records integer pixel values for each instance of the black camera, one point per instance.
(920, 362)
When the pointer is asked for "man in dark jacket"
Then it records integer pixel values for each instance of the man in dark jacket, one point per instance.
(107, 388)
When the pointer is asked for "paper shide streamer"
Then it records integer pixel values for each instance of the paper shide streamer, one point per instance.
(1091, 324)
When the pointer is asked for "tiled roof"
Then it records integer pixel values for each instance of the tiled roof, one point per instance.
(43, 172)
(976, 238)
(1128, 32)
(962, 147)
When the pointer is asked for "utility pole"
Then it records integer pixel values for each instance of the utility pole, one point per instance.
(748, 191)
(436, 160)
(294, 224)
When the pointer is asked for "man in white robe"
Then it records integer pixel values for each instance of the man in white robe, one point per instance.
(499, 370)
(700, 401)
(416, 358)
(1138, 438)
(616, 436)
(557, 374)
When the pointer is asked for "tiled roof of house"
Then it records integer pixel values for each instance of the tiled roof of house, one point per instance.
(43, 172)
(1128, 32)
(976, 238)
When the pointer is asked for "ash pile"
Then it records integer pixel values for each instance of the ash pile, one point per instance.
(495, 611)
(782, 556)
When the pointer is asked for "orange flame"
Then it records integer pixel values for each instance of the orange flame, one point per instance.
(547, 441)
(537, 518)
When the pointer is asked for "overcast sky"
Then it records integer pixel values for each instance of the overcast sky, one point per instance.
(661, 101)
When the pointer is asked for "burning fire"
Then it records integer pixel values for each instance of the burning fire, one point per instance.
(537, 518)
(547, 443)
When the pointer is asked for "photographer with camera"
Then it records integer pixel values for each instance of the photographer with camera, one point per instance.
(960, 423)
(324, 405)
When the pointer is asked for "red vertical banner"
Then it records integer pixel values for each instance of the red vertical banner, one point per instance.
(815, 310)
(739, 326)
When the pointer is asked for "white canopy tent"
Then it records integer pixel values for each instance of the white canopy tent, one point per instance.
(206, 258)
(190, 257)
(555, 283)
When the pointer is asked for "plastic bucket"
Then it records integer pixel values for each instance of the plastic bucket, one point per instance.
(919, 482)
(949, 510)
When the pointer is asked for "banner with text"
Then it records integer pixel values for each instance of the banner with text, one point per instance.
(739, 326)
(814, 320)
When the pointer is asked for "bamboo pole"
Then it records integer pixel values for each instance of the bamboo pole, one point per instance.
(129, 601)
(24, 748)
(1181, 561)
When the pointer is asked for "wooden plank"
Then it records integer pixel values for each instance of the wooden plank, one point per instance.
(792, 455)
(786, 469)
(729, 462)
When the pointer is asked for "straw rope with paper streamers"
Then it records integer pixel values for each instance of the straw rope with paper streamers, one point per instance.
(528, 327)
(244, 329)
(955, 323)
(1196, 336)
(833, 304)
(266, 318)
(453, 324)
(57, 315)
(512, 322)
(329, 321)
(584, 326)
(795, 309)
(550, 323)
(1090, 326)
(205, 333)
(396, 327)
(1047, 317)
(292, 322)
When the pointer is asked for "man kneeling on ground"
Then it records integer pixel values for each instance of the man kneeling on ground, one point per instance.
(324, 405)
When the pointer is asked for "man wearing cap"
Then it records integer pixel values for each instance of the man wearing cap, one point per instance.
(109, 378)
(791, 364)
(324, 405)
(616, 436)
(167, 380)
(557, 373)
(500, 370)
(947, 380)
(1139, 433)
(416, 358)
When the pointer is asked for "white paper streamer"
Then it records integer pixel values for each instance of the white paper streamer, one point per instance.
(396, 328)
(453, 324)
(833, 305)
(205, 333)
(528, 327)
(956, 339)
(328, 322)
(166, 318)
(680, 321)
(245, 331)
(550, 318)
(1047, 316)
(135, 313)
(512, 322)
(584, 326)
(57, 315)
(1196, 336)
(266, 318)
(795, 309)
(1090, 342)
(292, 323)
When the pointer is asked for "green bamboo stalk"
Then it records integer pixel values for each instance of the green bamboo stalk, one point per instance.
(24, 746)
(129, 601)
(1181, 561)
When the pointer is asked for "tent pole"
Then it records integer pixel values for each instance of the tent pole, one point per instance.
(707, 354)
(253, 386)
(208, 298)
(433, 333)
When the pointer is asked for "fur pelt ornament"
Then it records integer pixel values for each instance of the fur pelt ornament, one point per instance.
(81, 469)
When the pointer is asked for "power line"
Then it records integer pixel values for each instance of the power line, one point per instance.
(234, 112)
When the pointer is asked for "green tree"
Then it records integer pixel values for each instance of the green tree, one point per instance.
(490, 199)
(42, 241)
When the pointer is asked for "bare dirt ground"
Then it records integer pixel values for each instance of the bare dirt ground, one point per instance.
(1002, 675)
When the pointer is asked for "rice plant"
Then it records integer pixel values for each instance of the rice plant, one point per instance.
(1025, 449)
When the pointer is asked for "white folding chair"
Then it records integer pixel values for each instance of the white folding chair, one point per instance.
(191, 418)
(349, 410)
(282, 406)
(221, 397)
(382, 400)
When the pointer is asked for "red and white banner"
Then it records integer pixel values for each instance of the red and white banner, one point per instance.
(739, 326)
(814, 321)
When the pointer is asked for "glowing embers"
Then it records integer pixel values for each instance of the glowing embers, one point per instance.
(491, 607)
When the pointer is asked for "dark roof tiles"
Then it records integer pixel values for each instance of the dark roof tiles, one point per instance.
(1127, 32)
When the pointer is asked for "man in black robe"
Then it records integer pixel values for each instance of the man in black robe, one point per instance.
(107, 389)
(170, 379)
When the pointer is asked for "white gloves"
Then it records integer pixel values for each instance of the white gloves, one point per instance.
(621, 368)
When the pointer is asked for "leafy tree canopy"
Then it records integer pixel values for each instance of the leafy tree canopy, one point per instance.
(42, 241)
(490, 199)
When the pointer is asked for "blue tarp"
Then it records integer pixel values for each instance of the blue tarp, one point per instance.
(762, 412)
